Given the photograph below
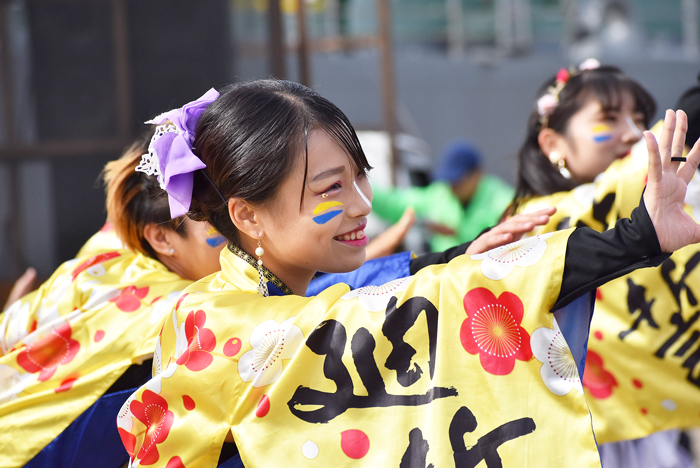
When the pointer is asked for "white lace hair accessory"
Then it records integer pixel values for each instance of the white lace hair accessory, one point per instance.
(150, 163)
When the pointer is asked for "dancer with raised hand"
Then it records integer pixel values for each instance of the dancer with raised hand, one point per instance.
(583, 154)
(396, 377)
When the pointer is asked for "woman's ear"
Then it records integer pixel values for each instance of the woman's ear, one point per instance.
(243, 216)
(159, 238)
(549, 141)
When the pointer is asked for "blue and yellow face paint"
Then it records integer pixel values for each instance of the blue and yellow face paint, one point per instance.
(328, 215)
(217, 238)
(602, 133)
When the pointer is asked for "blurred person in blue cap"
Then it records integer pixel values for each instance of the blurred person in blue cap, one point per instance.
(460, 202)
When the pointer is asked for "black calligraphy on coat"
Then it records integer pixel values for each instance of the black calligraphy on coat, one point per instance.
(329, 340)
(485, 449)
(637, 302)
(601, 210)
(681, 325)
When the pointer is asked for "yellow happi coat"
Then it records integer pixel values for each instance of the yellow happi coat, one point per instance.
(64, 345)
(458, 364)
(104, 239)
(643, 364)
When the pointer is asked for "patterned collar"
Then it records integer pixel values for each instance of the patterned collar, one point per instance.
(269, 276)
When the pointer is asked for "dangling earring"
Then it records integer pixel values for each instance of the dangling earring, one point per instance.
(262, 284)
(557, 161)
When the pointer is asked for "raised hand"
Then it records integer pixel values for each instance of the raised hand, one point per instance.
(388, 241)
(510, 230)
(668, 182)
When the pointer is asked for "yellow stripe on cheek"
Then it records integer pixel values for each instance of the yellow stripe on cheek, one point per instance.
(325, 205)
(599, 128)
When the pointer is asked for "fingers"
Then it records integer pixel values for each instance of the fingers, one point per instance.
(23, 286)
(488, 241)
(678, 138)
(688, 168)
(666, 139)
(408, 218)
(654, 156)
(491, 242)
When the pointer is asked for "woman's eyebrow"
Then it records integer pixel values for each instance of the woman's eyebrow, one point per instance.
(329, 172)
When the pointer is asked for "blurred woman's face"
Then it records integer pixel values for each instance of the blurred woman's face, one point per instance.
(594, 138)
(197, 254)
(327, 234)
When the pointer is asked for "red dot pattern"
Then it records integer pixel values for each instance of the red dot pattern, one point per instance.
(354, 443)
(232, 347)
(263, 407)
(188, 402)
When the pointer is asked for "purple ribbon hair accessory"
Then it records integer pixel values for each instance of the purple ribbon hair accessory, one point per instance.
(170, 157)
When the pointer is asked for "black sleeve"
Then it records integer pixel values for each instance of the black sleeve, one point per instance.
(436, 258)
(594, 258)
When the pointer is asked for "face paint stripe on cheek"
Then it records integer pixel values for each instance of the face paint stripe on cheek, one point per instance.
(633, 126)
(364, 197)
(324, 218)
(325, 205)
(601, 133)
(216, 241)
(217, 238)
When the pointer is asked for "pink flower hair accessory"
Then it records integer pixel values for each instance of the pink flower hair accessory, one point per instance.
(548, 102)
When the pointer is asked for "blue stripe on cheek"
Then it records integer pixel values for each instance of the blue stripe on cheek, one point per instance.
(324, 218)
(602, 138)
(216, 241)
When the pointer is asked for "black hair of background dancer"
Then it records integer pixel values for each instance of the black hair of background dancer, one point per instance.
(536, 174)
(135, 199)
(689, 102)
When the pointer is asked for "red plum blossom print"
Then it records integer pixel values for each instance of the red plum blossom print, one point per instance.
(46, 354)
(200, 342)
(492, 330)
(598, 380)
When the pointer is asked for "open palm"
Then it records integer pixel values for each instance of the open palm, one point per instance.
(667, 184)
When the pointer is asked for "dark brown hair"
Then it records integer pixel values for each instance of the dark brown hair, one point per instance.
(135, 199)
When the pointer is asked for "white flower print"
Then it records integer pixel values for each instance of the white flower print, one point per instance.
(62, 283)
(14, 326)
(163, 306)
(496, 264)
(559, 372)
(12, 383)
(375, 298)
(124, 417)
(272, 342)
(99, 294)
(159, 373)
(48, 326)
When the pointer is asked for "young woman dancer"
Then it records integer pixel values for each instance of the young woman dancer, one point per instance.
(399, 376)
(72, 351)
(639, 378)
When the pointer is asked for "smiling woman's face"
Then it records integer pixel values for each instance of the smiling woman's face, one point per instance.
(595, 138)
(327, 234)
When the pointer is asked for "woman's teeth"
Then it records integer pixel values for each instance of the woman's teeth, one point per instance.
(352, 236)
